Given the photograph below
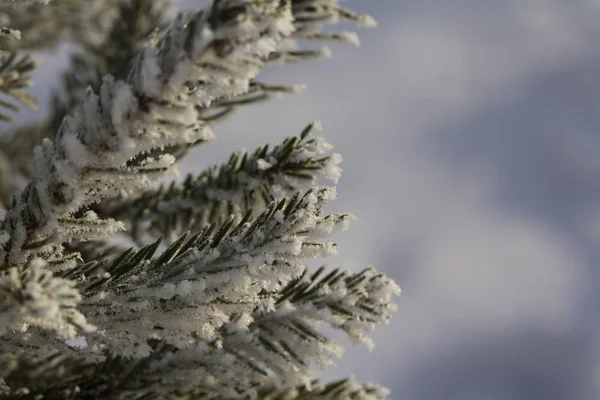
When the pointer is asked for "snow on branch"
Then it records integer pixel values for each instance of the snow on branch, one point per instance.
(15, 75)
(207, 56)
(30, 295)
(260, 353)
(44, 23)
(55, 375)
(278, 345)
(98, 151)
(230, 311)
(348, 389)
(355, 303)
(198, 283)
(248, 181)
(127, 28)
(234, 302)
(310, 18)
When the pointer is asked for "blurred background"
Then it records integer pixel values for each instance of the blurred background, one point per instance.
(471, 144)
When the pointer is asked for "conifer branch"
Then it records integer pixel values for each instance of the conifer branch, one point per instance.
(259, 333)
(216, 54)
(285, 340)
(223, 270)
(55, 375)
(44, 23)
(136, 22)
(30, 295)
(309, 19)
(130, 25)
(15, 75)
(229, 284)
(228, 312)
(342, 389)
(274, 347)
(248, 181)
(356, 303)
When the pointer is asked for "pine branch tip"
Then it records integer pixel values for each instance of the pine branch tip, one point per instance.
(350, 38)
(367, 21)
(317, 125)
(298, 88)
(325, 52)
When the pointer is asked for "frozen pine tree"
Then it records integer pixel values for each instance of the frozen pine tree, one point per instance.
(113, 286)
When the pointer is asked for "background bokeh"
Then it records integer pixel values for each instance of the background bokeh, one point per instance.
(470, 133)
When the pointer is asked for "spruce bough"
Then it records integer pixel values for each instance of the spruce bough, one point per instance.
(213, 301)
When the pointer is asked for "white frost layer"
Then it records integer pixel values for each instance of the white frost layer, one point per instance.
(32, 296)
(152, 110)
